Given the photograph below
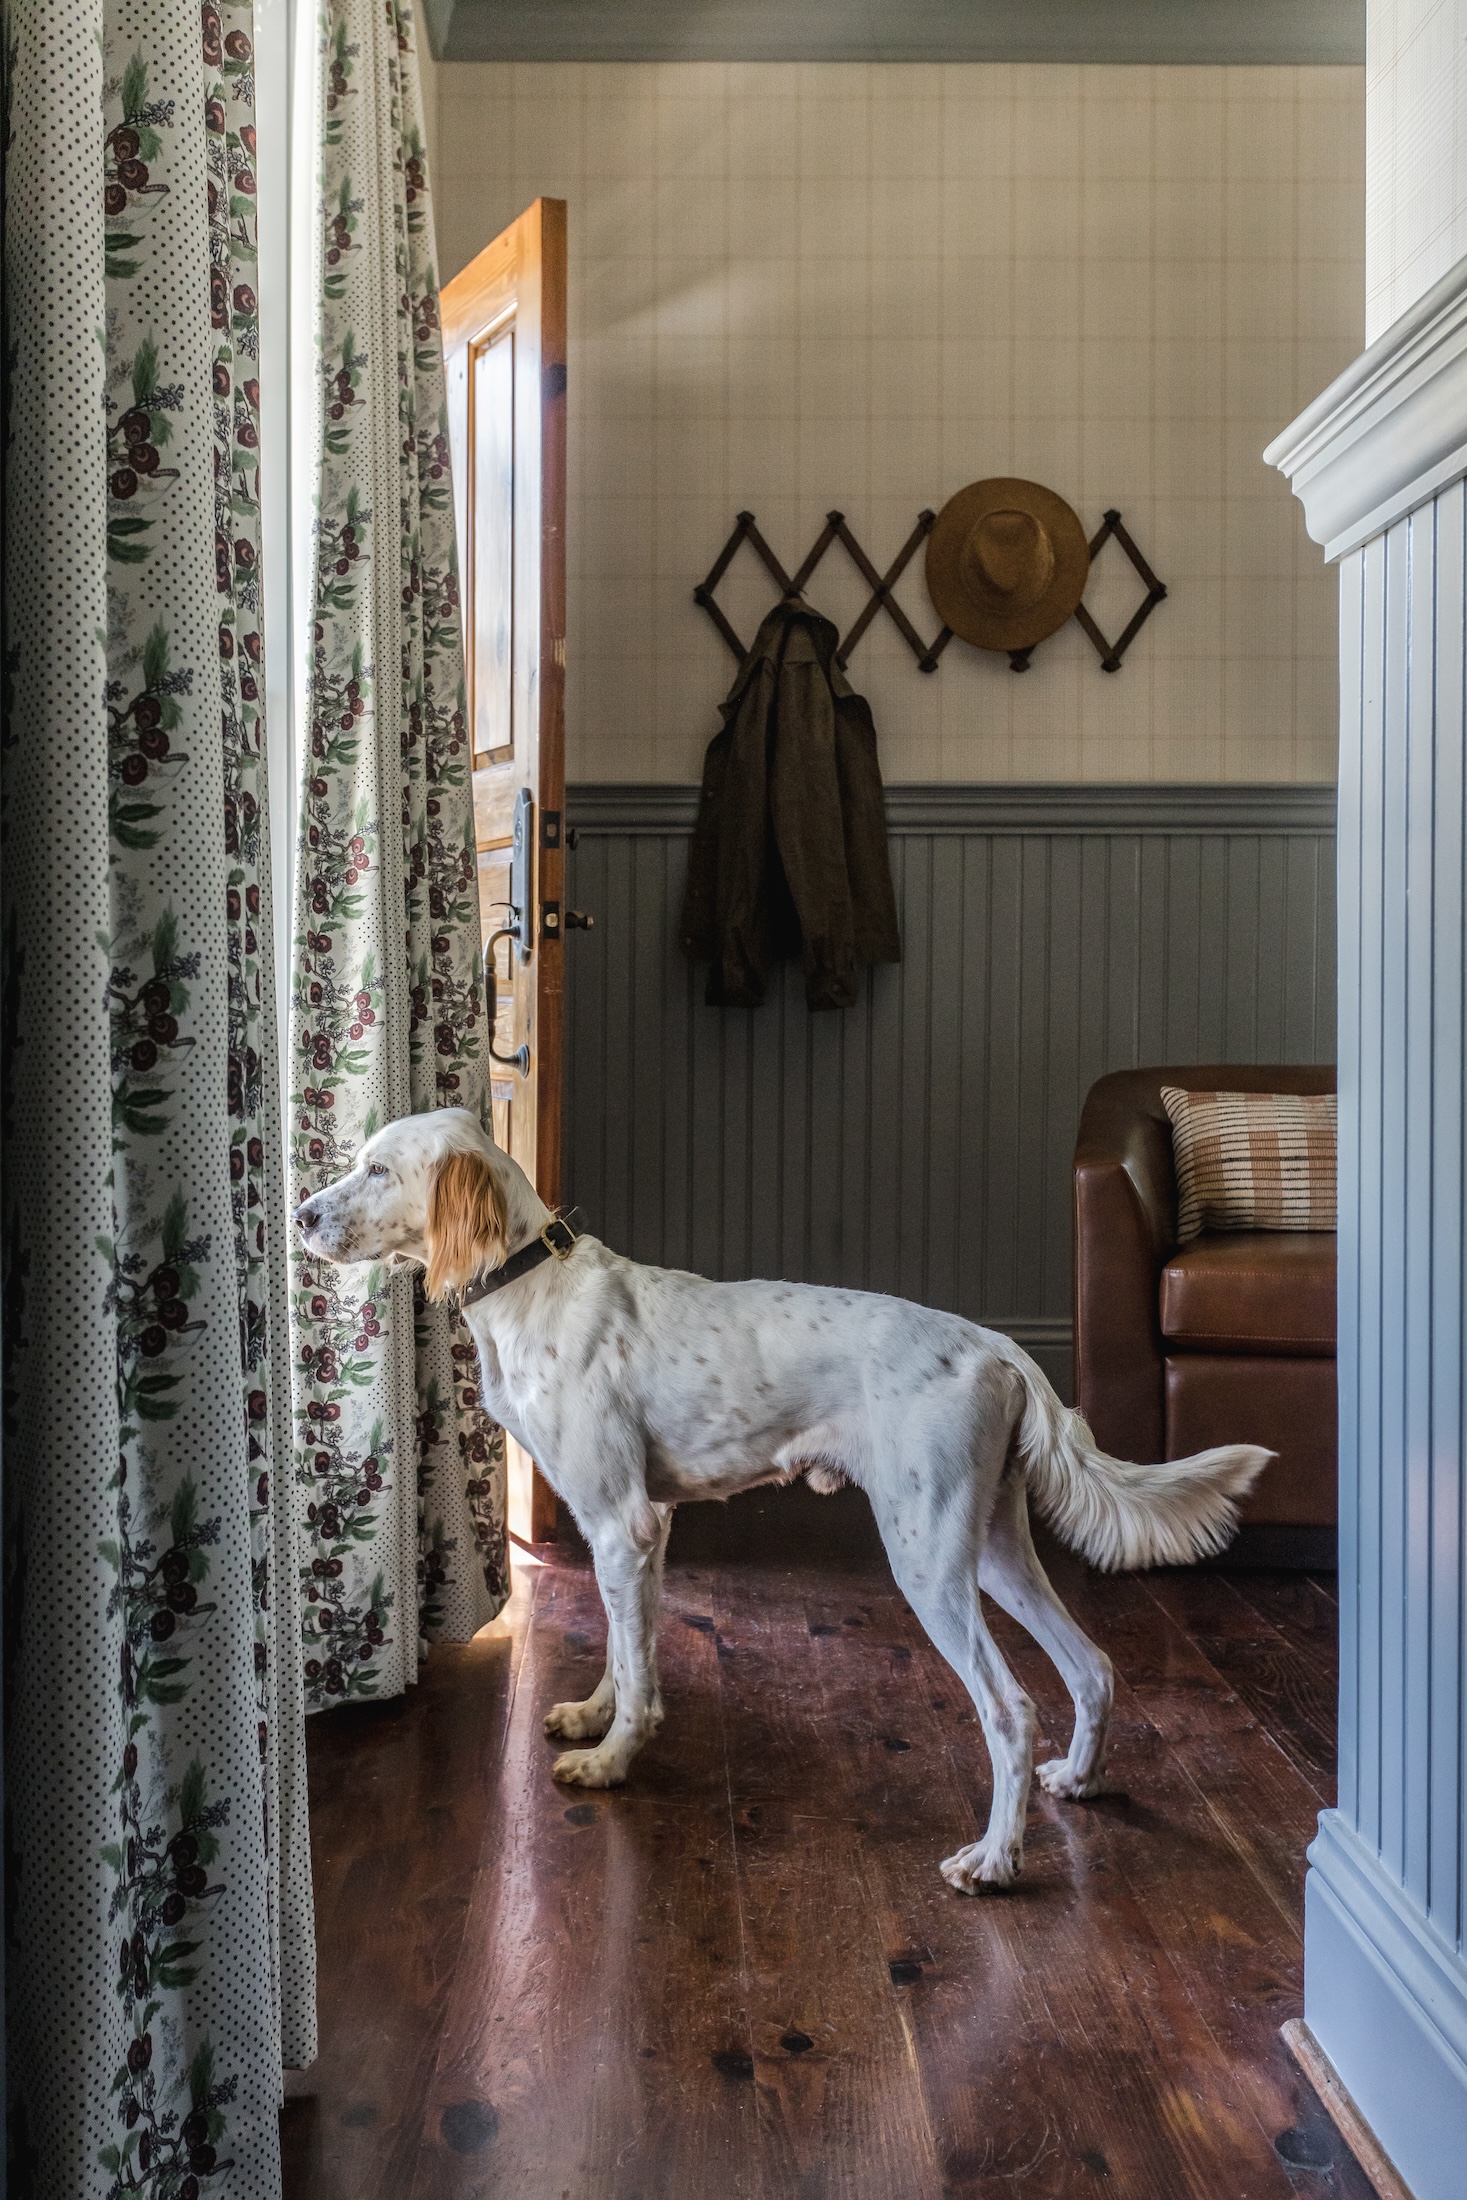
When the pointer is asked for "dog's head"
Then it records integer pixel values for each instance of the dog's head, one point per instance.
(432, 1188)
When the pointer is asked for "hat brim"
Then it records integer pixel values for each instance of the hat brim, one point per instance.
(977, 622)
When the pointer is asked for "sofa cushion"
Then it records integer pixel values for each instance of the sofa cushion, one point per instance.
(1288, 1406)
(1247, 1291)
(1252, 1160)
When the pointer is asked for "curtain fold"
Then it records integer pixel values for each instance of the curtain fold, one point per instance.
(160, 1952)
(403, 1476)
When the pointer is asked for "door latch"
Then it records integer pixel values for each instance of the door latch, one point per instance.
(575, 920)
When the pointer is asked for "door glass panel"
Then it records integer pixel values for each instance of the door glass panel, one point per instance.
(492, 600)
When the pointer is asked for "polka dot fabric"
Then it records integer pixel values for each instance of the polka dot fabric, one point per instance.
(161, 1960)
(402, 1474)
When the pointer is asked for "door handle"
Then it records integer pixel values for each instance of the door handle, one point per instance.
(520, 1059)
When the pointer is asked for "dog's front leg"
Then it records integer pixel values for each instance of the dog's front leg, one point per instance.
(582, 1722)
(628, 1557)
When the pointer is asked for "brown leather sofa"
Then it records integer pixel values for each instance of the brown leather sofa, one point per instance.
(1228, 1340)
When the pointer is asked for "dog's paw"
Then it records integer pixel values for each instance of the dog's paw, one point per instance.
(1057, 1779)
(579, 1722)
(588, 1768)
(988, 1863)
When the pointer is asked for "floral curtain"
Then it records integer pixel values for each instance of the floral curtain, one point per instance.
(159, 1963)
(403, 1476)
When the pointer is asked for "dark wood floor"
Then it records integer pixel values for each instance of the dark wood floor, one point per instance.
(741, 1975)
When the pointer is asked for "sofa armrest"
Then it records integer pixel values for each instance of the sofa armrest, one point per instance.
(1125, 1226)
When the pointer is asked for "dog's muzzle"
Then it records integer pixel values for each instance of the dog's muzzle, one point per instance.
(311, 1220)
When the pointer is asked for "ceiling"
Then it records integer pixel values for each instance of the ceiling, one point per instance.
(1238, 31)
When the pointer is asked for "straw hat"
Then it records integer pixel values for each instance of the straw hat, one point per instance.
(1007, 563)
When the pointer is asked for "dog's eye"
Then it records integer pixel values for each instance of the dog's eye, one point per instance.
(377, 1168)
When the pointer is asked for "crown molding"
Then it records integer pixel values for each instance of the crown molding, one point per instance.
(1237, 32)
(1388, 434)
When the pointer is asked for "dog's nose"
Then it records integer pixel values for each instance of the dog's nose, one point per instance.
(306, 1216)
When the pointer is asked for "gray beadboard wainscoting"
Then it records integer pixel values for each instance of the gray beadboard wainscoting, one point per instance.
(920, 1142)
(1379, 462)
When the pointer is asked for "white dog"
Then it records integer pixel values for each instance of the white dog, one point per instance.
(637, 1387)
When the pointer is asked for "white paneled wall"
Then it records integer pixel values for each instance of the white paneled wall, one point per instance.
(1416, 200)
(802, 286)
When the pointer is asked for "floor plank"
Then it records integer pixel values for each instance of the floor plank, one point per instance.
(1062, 2012)
(599, 2009)
(845, 2115)
(1274, 1647)
(742, 1977)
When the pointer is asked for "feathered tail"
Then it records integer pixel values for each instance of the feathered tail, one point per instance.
(1119, 1516)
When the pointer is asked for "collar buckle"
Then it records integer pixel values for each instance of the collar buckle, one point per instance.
(559, 1238)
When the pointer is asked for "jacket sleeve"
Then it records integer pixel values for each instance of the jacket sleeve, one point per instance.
(731, 901)
(863, 815)
(806, 809)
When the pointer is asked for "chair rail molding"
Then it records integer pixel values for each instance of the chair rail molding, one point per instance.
(1295, 806)
(1390, 432)
(1379, 463)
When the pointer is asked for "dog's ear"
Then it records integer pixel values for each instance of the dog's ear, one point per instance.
(466, 1222)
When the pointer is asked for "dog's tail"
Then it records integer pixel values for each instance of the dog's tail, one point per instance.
(1119, 1516)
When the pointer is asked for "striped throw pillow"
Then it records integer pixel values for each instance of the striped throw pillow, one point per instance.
(1252, 1160)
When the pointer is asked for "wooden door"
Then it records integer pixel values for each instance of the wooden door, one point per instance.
(504, 330)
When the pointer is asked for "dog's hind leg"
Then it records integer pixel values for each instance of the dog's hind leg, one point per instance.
(1009, 1570)
(936, 1571)
(628, 1559)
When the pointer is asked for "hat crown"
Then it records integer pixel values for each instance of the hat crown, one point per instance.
(1006, 563)
(1007, 560)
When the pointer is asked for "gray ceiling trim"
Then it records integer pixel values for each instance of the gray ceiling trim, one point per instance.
(1218, 31)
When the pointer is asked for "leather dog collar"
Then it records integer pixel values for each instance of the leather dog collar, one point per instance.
(557, 1241)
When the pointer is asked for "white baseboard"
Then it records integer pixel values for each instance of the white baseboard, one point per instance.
(1386, 2000)
(1340, 2107)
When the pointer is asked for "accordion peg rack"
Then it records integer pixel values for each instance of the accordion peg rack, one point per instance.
(927, 654)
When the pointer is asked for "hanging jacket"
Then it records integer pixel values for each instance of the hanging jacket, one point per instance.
(789, 853)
